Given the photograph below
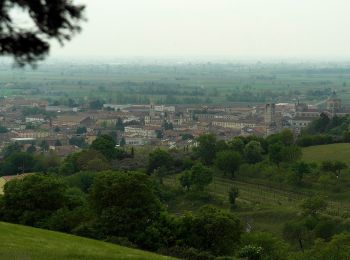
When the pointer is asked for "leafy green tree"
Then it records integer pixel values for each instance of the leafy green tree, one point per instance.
(228, 161)
(125, 203)
(236, 144)
(186, 180)
(78, 141)
(106, 146)
(271, 246)
(69, 165)
(326, 228)
(201, 176)
(291, 153)
(122, 142)
(275, 153)
(74, 212)
(160, 173)
(18, 162)
(44, 146)
(285, 137)
(81, 130)
(296, 231)
(211, 230)
(161, 234)
(48, 163)
(91, 160)
(159, 158)
(338, 248)
(300, 169)
(81, 180)
(29, 44)
(186, 137)
(221, 145)
(206, 149)
(313, 206)
(334, 167)
(12, 148)
(159, 133)
(32, 200)
(232, 196)
(250, 252)
(3, 130)
(120, 125)
(346, 136)
(198, 177)
(168, 126)
(253, 152)
(319, 126)
(327, 166)
(338, 167)
(86, 160)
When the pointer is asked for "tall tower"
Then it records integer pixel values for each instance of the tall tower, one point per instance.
(270, 118)
(270, 113)
(334, 103)
(152, 110)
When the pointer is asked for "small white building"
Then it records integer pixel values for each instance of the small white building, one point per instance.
(140, 131)
(135, 141)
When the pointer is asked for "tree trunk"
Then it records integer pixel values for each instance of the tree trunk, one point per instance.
(301, 245)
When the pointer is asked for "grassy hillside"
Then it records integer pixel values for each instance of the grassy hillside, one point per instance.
(321, 153)
(20, 242)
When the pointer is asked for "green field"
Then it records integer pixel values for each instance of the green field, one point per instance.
(173, 83)
(20, 242)
(319, 153)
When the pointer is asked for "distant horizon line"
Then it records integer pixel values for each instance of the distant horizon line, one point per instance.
(189, 59)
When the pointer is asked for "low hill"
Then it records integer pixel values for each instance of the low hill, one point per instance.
(319, 153)
(21, 242)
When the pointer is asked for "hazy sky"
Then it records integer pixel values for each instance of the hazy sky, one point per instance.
(237, 28)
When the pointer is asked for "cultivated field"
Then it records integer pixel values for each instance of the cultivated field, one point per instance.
(264, 208)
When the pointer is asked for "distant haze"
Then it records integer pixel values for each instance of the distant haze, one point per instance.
(221, 28)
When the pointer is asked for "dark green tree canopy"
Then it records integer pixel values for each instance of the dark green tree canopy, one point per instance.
(51, 19)
(106, 146)
(159, 158)
(125, 203)
(211, 230)
(32, 199)
(228, 161)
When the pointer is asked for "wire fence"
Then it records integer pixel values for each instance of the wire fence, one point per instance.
(265, 195)
(275, 197)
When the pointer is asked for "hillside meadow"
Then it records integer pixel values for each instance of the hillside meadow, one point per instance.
(20, 242)
(334, 152)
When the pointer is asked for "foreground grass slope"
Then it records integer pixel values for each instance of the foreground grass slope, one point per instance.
(20, 242)
(319, 153)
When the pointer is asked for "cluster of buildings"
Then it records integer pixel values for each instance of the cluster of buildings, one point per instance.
(297, 116)
(149, 124)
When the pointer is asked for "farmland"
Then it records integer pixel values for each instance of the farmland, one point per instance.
(263, 207)
(175, 83)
